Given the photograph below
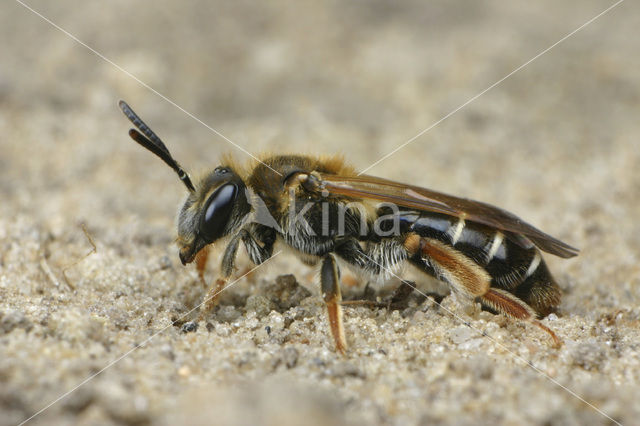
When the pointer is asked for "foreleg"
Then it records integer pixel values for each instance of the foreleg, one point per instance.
(228, 262)
(259, 243)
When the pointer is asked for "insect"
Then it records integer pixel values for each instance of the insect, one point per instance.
(323, 211)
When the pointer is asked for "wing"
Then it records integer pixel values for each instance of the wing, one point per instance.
(423, 199)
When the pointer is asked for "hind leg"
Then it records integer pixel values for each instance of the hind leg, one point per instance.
(506, 303)
(471, 280)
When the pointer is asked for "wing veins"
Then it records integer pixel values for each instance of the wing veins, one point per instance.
(427, 200)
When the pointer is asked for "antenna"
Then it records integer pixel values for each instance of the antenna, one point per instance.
(153, 143)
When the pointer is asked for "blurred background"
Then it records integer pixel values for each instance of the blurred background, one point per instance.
(359, 78)
(557, 142)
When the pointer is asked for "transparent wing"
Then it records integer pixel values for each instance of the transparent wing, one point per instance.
(423, 199)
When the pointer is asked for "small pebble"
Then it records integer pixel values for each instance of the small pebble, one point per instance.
(290, 356)
(345, 368)
(260, 305)
(12, 319)
(164, 263)
(189, 327)
(462, 334)
(285, 292)
(589, 356)
(228, 314)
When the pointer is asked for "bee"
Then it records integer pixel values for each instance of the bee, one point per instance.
(322, 210)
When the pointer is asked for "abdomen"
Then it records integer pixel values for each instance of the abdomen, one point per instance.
(518, 270)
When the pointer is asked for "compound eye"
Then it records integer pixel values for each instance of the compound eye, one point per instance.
(218, 211)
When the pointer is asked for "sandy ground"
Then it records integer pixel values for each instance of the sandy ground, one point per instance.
(557, 143)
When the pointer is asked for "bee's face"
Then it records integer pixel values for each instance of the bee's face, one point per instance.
(216, 207)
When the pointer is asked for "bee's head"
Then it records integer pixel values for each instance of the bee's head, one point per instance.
(216, 207)
(212, 210)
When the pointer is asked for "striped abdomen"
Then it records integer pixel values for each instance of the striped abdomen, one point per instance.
(511, 267)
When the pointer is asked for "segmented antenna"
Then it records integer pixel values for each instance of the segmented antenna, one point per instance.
(153, 143)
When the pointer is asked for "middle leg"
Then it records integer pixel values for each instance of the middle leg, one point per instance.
(330, 285)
